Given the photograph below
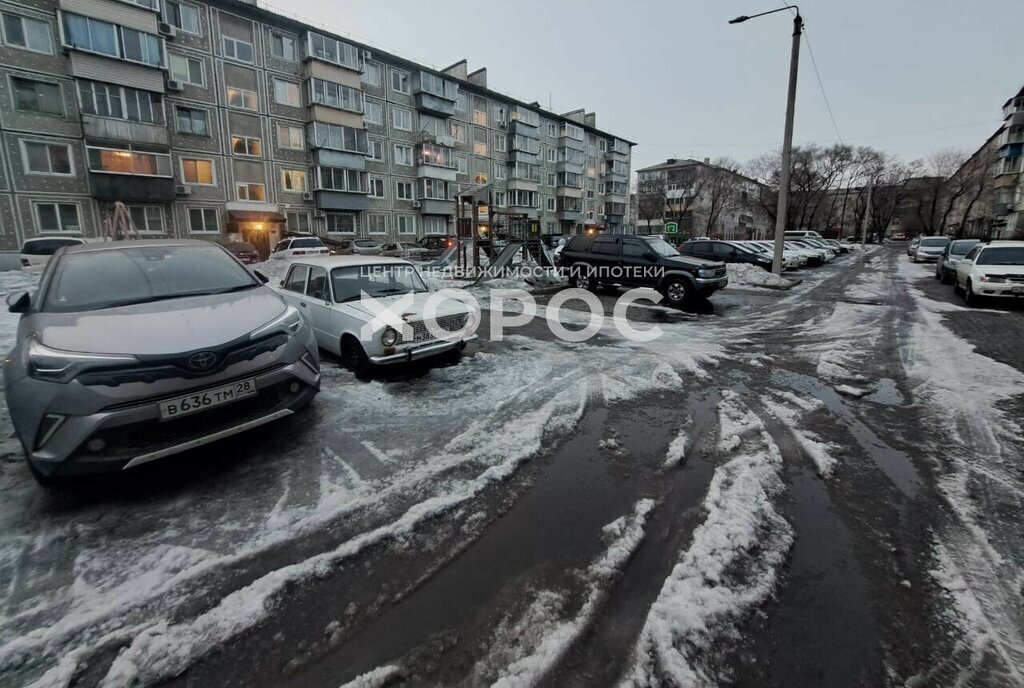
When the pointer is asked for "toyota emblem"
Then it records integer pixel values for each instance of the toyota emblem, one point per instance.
(204, 360)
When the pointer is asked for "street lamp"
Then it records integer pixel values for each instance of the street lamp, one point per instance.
(787, 139)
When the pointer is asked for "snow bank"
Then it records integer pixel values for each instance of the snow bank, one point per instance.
(381, 676)
(745, 274)
(730, 567)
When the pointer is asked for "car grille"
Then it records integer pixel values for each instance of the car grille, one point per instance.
(448, 323)
(1015, 278)
(717, 272)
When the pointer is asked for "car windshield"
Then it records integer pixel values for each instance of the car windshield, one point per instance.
(960, 248)
(662, 247)
(350, 282)
(934, 243)
(307, 243)
(1002, 255)
(93, 280)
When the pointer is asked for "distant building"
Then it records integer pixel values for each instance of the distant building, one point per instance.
(1007, 184)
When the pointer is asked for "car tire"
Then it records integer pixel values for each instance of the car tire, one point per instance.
(354, 357)
(584, 280)
(677, 291)
(970, 298)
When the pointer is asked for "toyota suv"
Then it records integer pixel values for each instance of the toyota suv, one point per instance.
(592, 262)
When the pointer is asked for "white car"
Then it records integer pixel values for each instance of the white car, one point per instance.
(790, 260)
(329, 292)
(293, 247)
(995, 269)
(929, 249)
(36, 253)
(357, 247)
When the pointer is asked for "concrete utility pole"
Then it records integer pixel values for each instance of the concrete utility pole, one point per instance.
(867, 217)
(787, 139)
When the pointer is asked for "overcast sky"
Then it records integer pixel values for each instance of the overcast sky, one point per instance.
(906, 76)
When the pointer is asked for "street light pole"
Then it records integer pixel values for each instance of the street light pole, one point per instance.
(787, 138)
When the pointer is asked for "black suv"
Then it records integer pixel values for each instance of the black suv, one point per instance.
(725, 252)
(591, 262)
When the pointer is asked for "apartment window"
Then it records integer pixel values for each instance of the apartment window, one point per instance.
(246, 145)
(500, 143)
(297, 222)
(602, 145)
(287, 93)
(462, 102)
(571, 131)
(480, 178)
(127, 161)
(182, 15)
(457, 130)
(400, 81)
(590, 214)
(338, 137)
(434, 189)
(500, 172)
(198, 171)
(37, 96)
(203, 220)
(479, 141)
(238, 50)
(334, 51)
(434, 224)
(551, 178)
(376, 223)
(57, 217)
(406, 224)
(249, 191)
(47, 158)
(342, 223)
(371, 73)
(500, 199)
(376, 187)
(523, 199)
(550, 154)
(289, 136)
(341, 179)
(403, 191)
(462, 163)
(187, 70)
(104, 38)
(479, 111)
(192, 121)
(293, 180)
(403, 155)
(241, 98)
(552, 131)
(282, 47)
(119, 102)
(401, 118)
(376, 150)
(373, 112)
(335, 95)
(549, 203)
(148, 219)
(27, 34)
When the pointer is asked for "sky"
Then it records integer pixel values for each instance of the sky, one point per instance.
(904, 76)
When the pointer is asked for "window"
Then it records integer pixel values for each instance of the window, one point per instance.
(47, 158)
(93, 35)
(500, 171)
(462, 102)
(406, 224)
(371, 73)
(401, 118)
(480, 178)
(500, 199)
(57, 217)
(37, 96)
(296, 280)
(433, 189)
(250, 191)
(187, 70)
(571, 131)
(457, 130)
(376, 223)
(119, 102)
(376, 150)
(245, 145)
(522, 199)
(479, 141)
(202, 220)
(241, 98)
(551, 179)
(297, 222)
(434, 224)
(337, 137)
(342, 223)
(334, 51)
(192, 121)
(550, 203)
(479, 111)
(335, 95)
(293, 180)
(550, 154)
(602, 145)
(282, 47)
(27, 34)
(462, 162)
(182, 15)
(289, 136)
(500, 143)
(400, 81)
(373, 112)
(148, 219)
(403, 155)
(127, 161)
(287, 93)
(376, 189)
(198, 171)
(238, 50)
(552, 132)
(403, 191)
(341, 179)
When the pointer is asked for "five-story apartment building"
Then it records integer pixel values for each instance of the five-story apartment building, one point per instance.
(218, 118)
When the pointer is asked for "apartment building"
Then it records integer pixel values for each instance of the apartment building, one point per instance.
(219, 118)
(1008, 172)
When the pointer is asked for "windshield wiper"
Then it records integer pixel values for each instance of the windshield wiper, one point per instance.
(240, 287)
(391, 291)
(150, 299)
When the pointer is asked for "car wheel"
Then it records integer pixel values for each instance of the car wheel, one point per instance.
(354, 357)
(938, 275)
(585, 280)
(970, 298)
(677, 291)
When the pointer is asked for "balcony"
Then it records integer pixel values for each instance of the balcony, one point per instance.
(433, 206)
(106, 129)
(430, 104)
(521, 128)
(1015, 119)
(435, 162)
(568, 215)
(567, 166)
(1011, 150)
(1002, 209)
(341, 200)
(131, 175)
(131, 189)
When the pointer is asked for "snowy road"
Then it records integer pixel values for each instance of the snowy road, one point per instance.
(815, 487)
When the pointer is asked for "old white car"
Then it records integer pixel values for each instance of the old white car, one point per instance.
(342, 297)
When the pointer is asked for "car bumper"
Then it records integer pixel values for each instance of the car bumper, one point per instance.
(706, 285)
(417, 353)
(927, 257)
(1013, 290)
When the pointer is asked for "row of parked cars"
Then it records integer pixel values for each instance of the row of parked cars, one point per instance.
(976, 269)
(424, 248)
(800, 249)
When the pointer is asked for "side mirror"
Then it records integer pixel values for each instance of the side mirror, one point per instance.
(261, 277)
(651, 257)
(19, 301)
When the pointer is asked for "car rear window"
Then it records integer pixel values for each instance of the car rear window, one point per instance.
(579, 243)
(605, 246)
(307, 243)
(46, 247)
(962, 247)
(934, 242)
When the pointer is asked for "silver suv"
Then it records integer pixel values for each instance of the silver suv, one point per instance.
(131, 351)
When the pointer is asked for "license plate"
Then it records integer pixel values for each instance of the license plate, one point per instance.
(200, 401)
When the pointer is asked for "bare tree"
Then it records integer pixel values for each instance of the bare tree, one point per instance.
(651, 200)
(940, 189)
(722, 186)
(684, 190)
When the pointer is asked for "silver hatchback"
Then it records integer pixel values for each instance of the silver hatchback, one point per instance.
(132, 351)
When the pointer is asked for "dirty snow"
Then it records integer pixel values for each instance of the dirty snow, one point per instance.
(377, 678)
(745, 274)
(820, 453)
(677, 448)
(848, 391)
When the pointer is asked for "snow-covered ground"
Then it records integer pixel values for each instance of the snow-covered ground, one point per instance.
(747, 275)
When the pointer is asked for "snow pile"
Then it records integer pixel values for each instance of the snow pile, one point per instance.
(819, 452)
(745, 274)
(730, 567)
(525, 649)
(848, 391)
(677, 449)
(381, 676)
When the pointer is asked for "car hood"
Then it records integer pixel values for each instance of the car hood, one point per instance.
(410, 309)
(931, 249)
(1000, 269)
(693, 261)
(162, 327)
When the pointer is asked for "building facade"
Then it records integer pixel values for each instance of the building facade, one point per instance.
(217, 118)
(1008, 172)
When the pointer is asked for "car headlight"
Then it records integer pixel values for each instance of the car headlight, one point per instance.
(389, 337)
(991, 278)
(57, 365)
(288, 322)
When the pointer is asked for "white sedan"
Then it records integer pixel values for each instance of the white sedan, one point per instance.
(297, 246)
(995, 269)
(342, 296)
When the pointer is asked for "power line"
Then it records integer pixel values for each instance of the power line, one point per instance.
(828, 107)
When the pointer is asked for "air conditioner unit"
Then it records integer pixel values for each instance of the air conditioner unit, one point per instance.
(416, 204)
(307, 196)
(183, 190)
(174, 85)
(319, 213)
(167, 30)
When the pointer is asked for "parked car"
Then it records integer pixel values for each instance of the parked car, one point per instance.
(929, 249)
(945, 267)
(814, 256)
(995, 269)
(801, 234)
(36, 253)
(131, 351)
(912, 246)
(243, 251)
(594, 261)
(790, 260)
(898, 236)
(724, 251)
(437, 244)
(401, 250)
(328, 292)
(818, 243)
(824, 255)
(836, 246)
(293, 247)
(357, 247)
